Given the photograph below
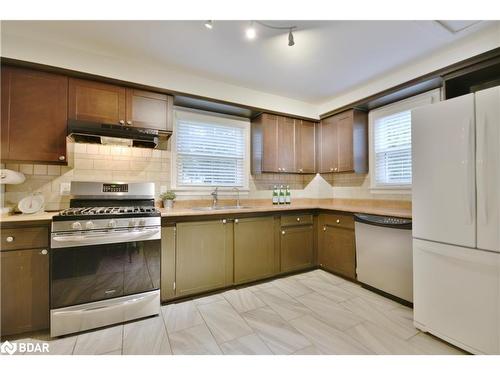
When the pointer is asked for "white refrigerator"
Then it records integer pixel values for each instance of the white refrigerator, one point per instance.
(456, 225)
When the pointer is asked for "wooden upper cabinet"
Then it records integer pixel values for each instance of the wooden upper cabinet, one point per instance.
(97, 102)
(282, 144)
(286, 144)
(328, 145)
(305, 154)
(34, 116)
(149, 110)
(343, 142)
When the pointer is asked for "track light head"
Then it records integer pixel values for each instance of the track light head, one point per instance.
(209, 24)
(250, 32)
(291, 42)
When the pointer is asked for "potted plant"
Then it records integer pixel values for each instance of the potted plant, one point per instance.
(168, 199)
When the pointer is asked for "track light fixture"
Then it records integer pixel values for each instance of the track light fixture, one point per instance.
(251, 31)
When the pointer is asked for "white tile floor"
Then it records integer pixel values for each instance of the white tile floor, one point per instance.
(309, 313)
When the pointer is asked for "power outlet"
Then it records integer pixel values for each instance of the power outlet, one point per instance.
(65, 188)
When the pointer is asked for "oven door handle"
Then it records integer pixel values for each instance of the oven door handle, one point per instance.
(123, 236)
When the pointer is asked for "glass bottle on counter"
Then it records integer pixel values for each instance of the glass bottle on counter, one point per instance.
(282, 195)
(288, 196)
(275, 195)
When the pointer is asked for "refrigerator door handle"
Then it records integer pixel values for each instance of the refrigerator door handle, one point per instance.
(481, 168)
(469, 171)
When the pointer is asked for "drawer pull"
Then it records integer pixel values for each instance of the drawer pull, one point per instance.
(9, 239)
(324, 229)
(44, 252)
(224, 221)
(298, 219)
(236, 221)
(283, 232)
(62, 158)
(338, 221)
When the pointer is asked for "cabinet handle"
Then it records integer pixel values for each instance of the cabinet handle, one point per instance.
(279, 169)
(9, 239)
(324, 229)
(224, 221)
(129, 122)
(62, 157)
(44, 252)
(283, 232)
(298, 219)
(283, 169)
(301, 170)
(122, 122)
(338, 221)
(331, 169)
(236, 221)
(336, 169)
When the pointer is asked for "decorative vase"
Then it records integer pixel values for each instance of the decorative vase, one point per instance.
(168, 203)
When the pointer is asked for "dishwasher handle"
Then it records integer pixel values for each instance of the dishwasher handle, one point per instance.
(384, 221)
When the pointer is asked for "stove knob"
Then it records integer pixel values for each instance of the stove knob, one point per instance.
(89, 225)
(142, 222)
(132, 223)
(112, 223)
(76, 225)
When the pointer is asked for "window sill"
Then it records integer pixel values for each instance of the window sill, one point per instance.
(391, 190)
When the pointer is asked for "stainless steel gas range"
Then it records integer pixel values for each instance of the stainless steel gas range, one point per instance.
(105, 257)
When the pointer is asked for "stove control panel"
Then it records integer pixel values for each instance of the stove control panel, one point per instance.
(115, 188)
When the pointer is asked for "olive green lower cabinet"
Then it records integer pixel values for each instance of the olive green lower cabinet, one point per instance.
(204, 256)
(297, 242)
(255, 251)
(337, 244)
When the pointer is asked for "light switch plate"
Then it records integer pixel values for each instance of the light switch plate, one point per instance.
(65, 188)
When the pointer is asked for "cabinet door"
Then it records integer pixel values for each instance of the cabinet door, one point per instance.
(269, 130)
(296, 247)
(25, 291)
(305, 146)
(95, 101)
(328, 145)
(149, 110)
(167, 287)
(337, 250)
(34, 116)
(204, 256)
(344, 142)
(254, 250)
(286, 144)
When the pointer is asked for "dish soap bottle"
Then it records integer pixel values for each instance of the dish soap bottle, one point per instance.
(275, 195)
(288, 196)
(282, 195)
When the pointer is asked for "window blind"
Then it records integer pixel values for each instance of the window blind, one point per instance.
(209, 154)
(392, 147)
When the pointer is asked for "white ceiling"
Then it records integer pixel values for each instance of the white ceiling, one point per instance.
(329, 57)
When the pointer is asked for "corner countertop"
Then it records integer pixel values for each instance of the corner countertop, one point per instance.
(184, 209)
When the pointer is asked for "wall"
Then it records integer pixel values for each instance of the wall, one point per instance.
(90, 162)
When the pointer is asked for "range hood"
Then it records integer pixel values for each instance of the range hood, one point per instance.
(123, 135)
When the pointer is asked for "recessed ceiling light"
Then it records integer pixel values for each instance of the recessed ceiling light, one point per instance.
(209, 24)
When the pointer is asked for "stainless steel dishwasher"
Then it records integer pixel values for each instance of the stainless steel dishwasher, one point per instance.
(384, 258)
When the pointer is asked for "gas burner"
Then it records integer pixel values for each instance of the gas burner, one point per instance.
(96, 211)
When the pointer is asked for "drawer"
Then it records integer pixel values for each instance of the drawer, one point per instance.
(338, 220)
(299, 219)
(25, 238)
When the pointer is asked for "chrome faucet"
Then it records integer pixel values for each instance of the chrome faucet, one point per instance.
(237, 196)
(215, 195)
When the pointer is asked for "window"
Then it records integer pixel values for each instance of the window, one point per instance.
(390, 142)
(210, 151)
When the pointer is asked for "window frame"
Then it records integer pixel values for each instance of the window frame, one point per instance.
(218, 119)
(428, 97)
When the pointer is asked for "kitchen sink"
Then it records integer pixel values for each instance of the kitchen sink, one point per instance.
(218, 208)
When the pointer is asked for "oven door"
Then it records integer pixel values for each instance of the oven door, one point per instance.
(94, 272)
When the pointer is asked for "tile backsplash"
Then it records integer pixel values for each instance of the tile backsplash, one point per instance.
(90, 162)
